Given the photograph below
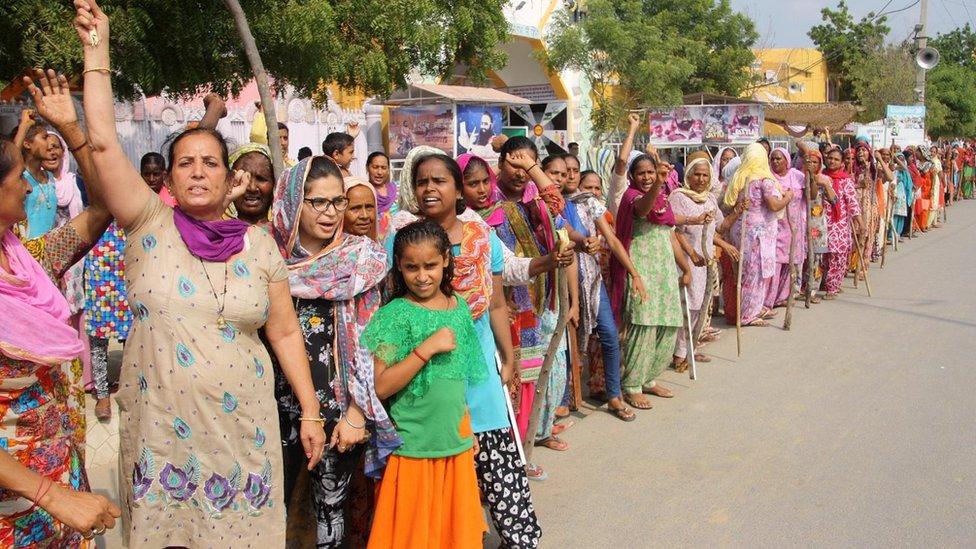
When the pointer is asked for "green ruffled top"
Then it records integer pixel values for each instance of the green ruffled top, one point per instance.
(430, 413)
(401, 326)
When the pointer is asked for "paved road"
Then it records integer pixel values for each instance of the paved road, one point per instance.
(857, 428)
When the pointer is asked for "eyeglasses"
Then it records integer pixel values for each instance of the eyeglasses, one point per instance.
(321, 205)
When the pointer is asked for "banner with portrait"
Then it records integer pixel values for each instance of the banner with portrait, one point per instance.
(476, 126)
(431, 125)
(705, 124)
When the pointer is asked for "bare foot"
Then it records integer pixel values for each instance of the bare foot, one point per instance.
(659, 391)
(638, 401)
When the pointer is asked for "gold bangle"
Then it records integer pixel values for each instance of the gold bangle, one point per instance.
(105, 70)
(315, 419)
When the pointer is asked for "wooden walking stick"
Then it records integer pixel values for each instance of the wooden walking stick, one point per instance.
(542, 384)
(811, 267)
(860, 260)
(788, 317)
(743, 236)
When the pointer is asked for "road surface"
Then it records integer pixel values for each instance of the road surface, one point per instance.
(857, 428)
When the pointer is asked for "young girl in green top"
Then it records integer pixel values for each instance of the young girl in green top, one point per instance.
(425, 352)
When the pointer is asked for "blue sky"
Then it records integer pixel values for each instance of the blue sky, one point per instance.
(784, 23)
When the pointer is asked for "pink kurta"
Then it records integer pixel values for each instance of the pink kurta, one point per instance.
(794, 180)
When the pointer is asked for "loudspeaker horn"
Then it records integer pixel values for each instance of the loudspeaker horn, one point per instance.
(927, 58)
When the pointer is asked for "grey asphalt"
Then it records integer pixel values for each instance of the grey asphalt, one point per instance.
(855, 429)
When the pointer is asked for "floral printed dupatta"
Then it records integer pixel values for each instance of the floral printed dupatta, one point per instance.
(347, 271)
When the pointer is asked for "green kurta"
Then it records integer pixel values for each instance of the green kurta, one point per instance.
(652, 255)
(652, 325)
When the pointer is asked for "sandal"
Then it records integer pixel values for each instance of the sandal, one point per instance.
(553, 443)
(680, 367)
(702, 358)
(534, 472)
(638, 401)
(562, 412)
(759, 323)
(769, 314)
(709, 338)
(623, 414)
(103, 409)
(830, 297)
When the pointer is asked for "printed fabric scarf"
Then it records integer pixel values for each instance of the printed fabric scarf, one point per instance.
(35, 325)
(348, 272)
(472, 267)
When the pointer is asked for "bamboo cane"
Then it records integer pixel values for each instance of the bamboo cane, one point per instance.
(811, 267)
(788, 317)
(693, 373)
(743, 236)
(860, 258)
(709, 282)
(511, 413)
(542, 384)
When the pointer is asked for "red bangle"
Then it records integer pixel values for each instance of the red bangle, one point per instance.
(421, 357)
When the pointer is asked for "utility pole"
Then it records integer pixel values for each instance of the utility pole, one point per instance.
(920, 42)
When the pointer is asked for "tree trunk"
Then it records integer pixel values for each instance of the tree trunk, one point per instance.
(261, 78)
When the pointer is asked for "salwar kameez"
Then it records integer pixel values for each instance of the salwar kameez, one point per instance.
(698, 295)
(839, 238)
(780, 285)
(652, 324)
(758, 262)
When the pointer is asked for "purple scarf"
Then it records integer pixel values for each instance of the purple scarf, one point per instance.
(214, 241)
(383, 203)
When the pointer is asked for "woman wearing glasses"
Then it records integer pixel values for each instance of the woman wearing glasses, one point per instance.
(334, 279)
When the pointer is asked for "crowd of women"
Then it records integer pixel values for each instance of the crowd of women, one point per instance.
(370, 356)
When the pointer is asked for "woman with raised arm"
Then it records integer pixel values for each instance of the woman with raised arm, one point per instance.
(44, 499)
(199, 439)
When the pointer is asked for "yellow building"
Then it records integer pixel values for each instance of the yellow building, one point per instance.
(790, 75)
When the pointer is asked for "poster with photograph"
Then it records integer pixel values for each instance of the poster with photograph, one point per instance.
(906, 124)
(675, 126)
(430, 125)
(477, 125)
(743, 124)
(710, 124)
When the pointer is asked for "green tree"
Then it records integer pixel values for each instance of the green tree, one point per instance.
(957, 47)
(950, 102)
(651, 52)
(845, 42)
(187, 46)
(883, 77)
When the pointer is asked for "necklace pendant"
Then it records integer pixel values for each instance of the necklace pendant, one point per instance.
(221, 323)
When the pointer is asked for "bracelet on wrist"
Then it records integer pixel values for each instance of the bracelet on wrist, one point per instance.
(351, 424)
(42, 490)
(421, 357)
(103, 70)
(79, 147)
(315, 419)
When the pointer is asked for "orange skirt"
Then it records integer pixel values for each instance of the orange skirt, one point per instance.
(429, 503)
